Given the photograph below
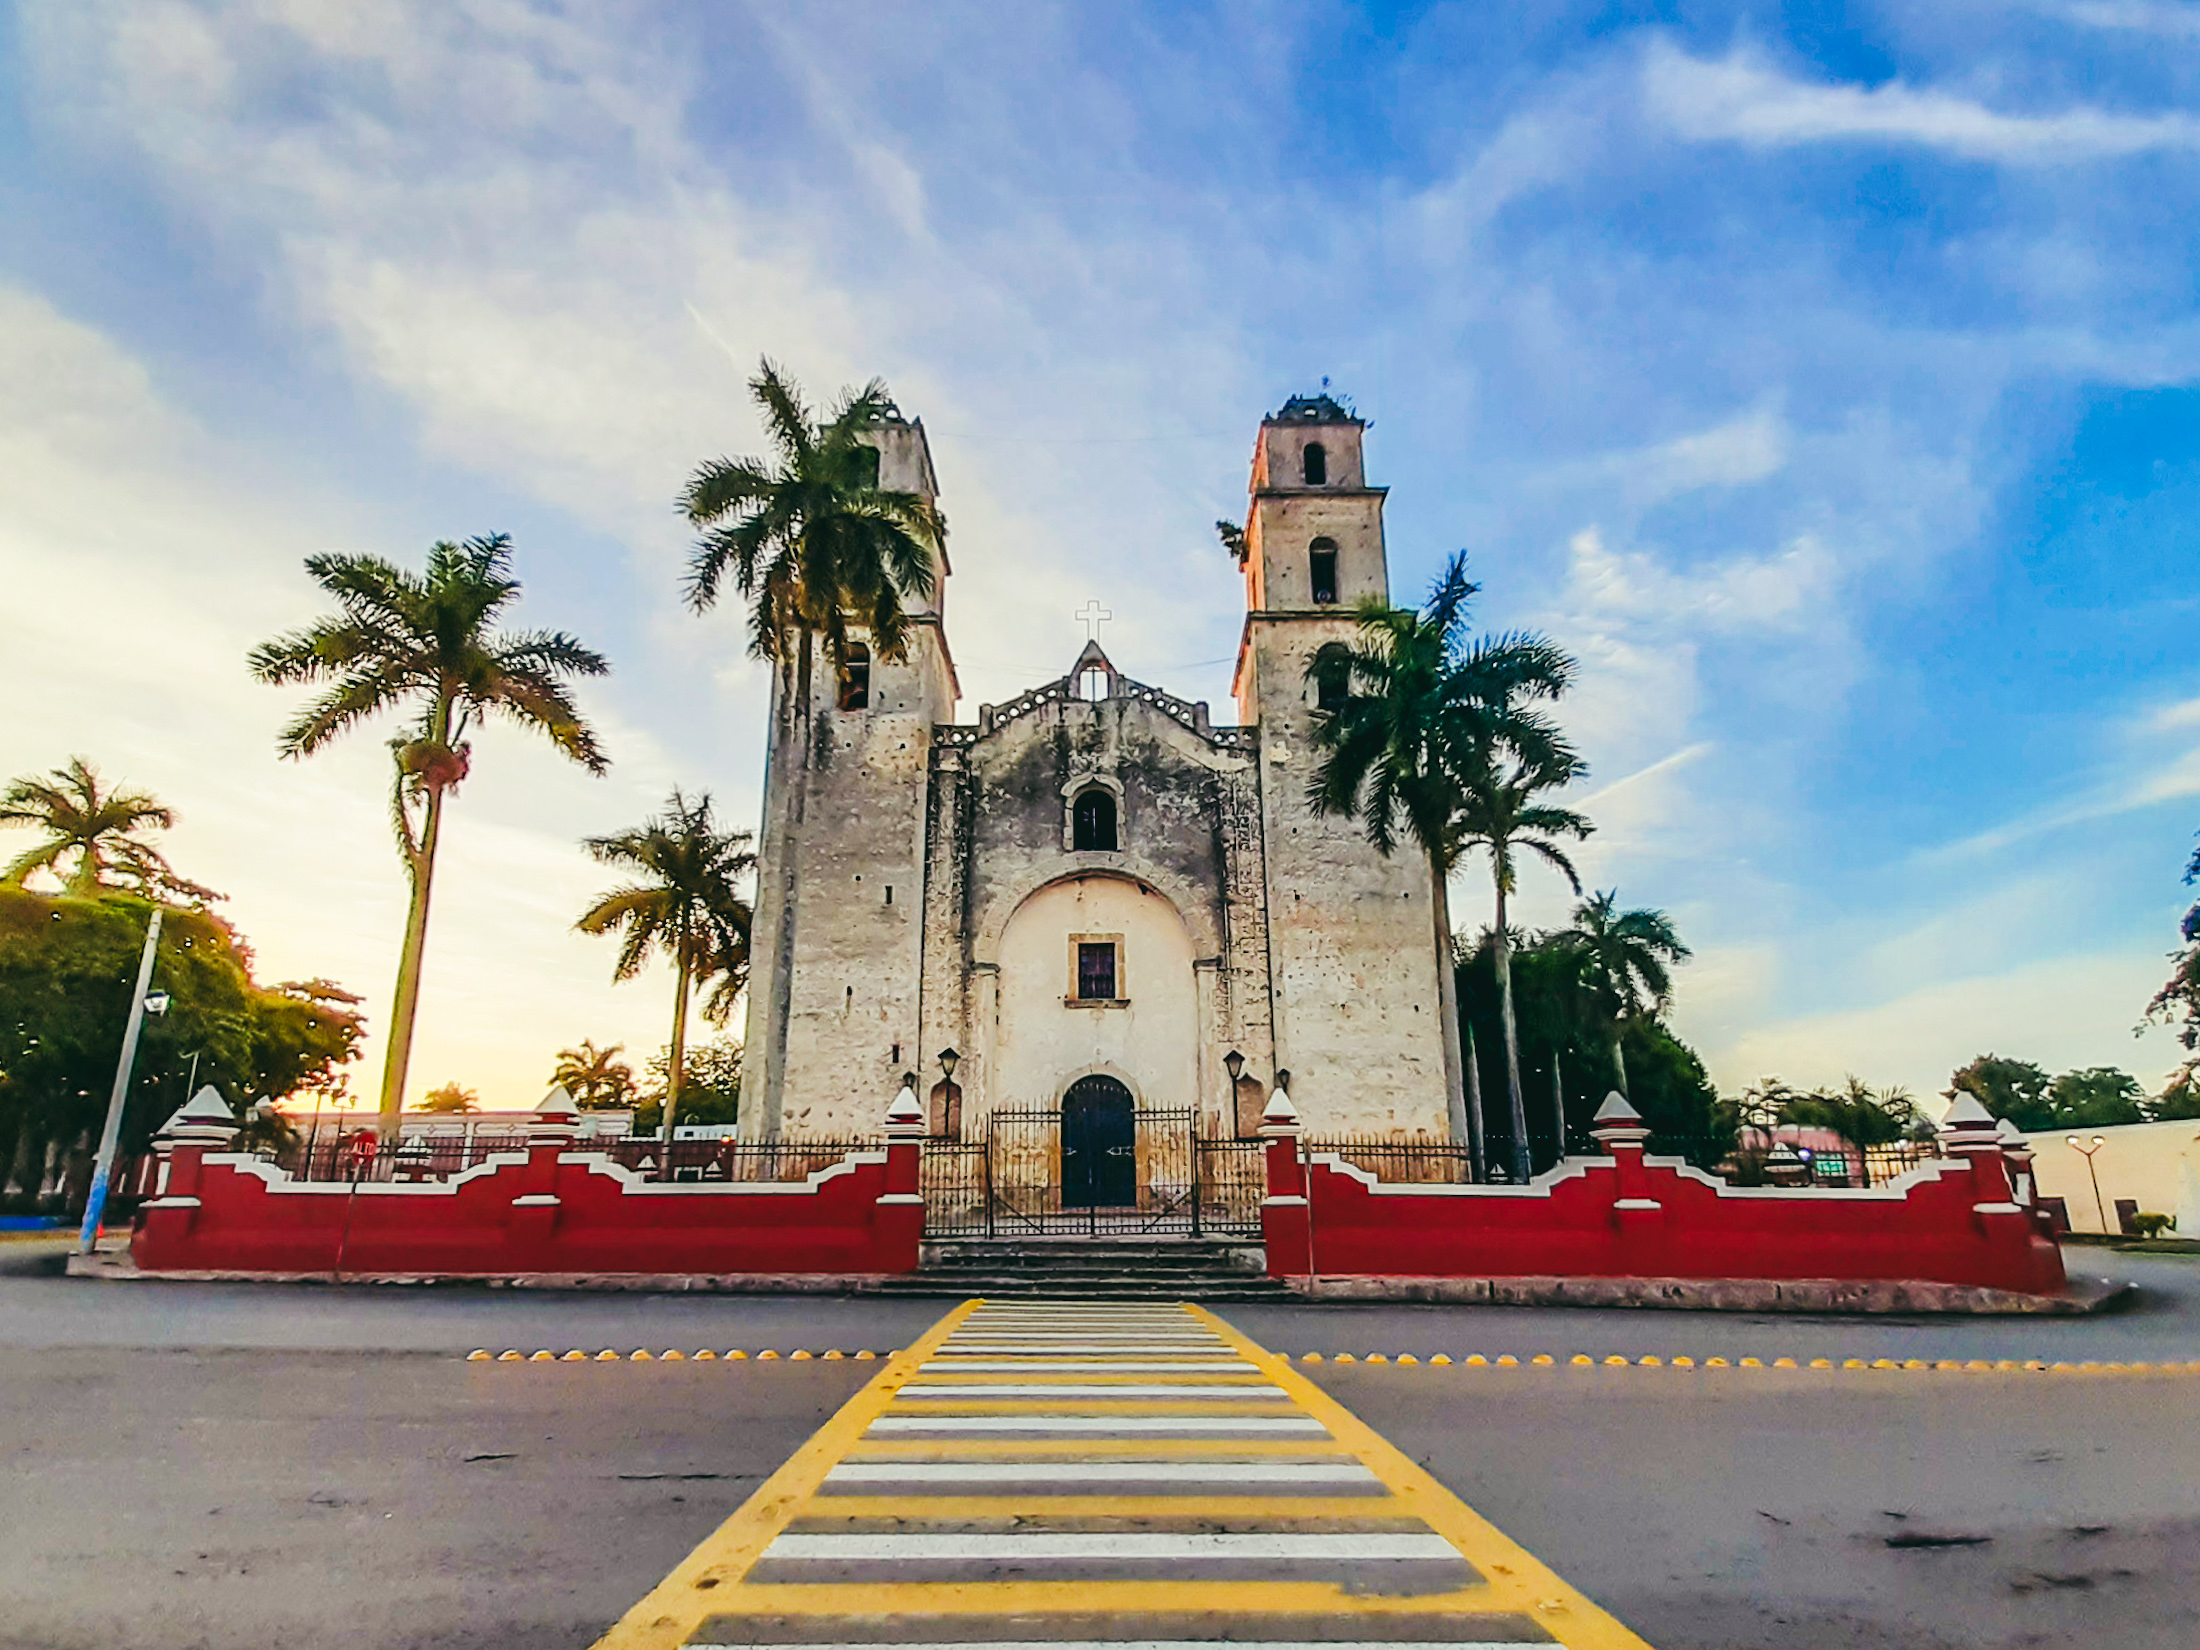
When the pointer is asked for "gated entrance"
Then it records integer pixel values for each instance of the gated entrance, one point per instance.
(1099, 1165)
(1099, 1145)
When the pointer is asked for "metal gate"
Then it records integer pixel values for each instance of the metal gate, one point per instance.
(1091, 1169)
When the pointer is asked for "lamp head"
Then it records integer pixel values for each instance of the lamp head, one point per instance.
(949, 1060)
(1234, 1063)
(156, 1003)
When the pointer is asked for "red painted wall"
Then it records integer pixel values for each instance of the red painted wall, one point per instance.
(555, 1209)
(1954, 1221)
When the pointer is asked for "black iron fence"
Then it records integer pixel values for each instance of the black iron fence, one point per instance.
(1739, 1159)
(1010, 1183)
(425, 1158)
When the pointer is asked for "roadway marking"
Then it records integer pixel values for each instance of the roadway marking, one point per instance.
(1132, 1513)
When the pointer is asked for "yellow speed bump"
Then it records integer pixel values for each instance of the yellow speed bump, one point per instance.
(576, 1356)
(479, 1355)
(541, 1357)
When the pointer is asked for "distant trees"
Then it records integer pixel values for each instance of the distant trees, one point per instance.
(426, 645)
(596, 1078)
(451, 1097)
(2096, 1097)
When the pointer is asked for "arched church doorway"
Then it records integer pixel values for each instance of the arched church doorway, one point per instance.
(1099, 1145)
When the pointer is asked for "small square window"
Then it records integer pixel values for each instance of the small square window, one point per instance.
(1096, 971)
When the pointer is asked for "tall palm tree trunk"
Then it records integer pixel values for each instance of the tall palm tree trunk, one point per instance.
(1478, 1143)
(1619, 1062)
(1463, 1130)
(406, 1009)
(1522, 1164)
(676, 1066)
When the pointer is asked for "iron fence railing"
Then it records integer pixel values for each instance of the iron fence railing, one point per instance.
(1741, 1160)
(425, 1158)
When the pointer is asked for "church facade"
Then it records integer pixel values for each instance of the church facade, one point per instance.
(1095, 889)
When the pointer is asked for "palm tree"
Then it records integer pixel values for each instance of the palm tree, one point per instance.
(426, 645)
(1625, 960)
(100, 829)
(809, 536)
(1503, 818)
(688, 906)
(1425, 710)
(595, 1077)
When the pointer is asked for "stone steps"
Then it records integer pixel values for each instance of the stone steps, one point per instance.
(1097, 1268)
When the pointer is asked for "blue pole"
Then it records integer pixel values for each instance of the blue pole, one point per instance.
(95, 1206)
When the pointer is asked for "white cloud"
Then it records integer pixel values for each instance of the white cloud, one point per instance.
(2138, 16)
(2062, 1012)
(1740, 99)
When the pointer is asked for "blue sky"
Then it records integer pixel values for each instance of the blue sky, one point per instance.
(1823, 376)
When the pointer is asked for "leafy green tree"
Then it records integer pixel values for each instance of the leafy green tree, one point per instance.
(2177, 1004)
(597, 1078)
(2096, 1098)
(451, 1097)
(67, 967)
(426, 645)
(688, 906)
(2015, 1089)
(1626, 960)
(98, 833)
(1674, 1093)
(1565, 1042)
(1429, 715)
(710, 1085)
(2180, 1096)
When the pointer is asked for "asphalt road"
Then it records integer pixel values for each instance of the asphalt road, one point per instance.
(210, 1465)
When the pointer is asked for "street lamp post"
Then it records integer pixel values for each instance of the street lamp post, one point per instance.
(2087, 1152)
(103, 1166)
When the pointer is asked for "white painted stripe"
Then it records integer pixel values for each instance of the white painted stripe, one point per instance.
(1148, 1644)
(1175, 1471)
(996, 1366)
(1118, 1544)
(1089, 1389)
(1097, 1423)
(1042, 1349)
(1048, 1337)
(1151, 1644)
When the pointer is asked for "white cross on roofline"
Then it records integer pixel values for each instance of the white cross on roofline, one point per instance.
(1092, 616)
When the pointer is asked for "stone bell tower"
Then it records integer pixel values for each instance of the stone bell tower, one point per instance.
(1352, 935)
(837, 952)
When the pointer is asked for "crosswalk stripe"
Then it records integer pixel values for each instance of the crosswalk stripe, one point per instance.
(1090, 1479)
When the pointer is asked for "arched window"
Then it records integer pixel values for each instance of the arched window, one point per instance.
(1316, 465)
(1332, 678)
(1092, 822)
(855, 678)
(1321, 570)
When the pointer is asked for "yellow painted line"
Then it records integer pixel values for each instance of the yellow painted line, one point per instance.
(676, 1606)
(1514, 1575)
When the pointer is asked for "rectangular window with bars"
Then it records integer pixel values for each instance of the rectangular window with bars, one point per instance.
(1096, 971)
